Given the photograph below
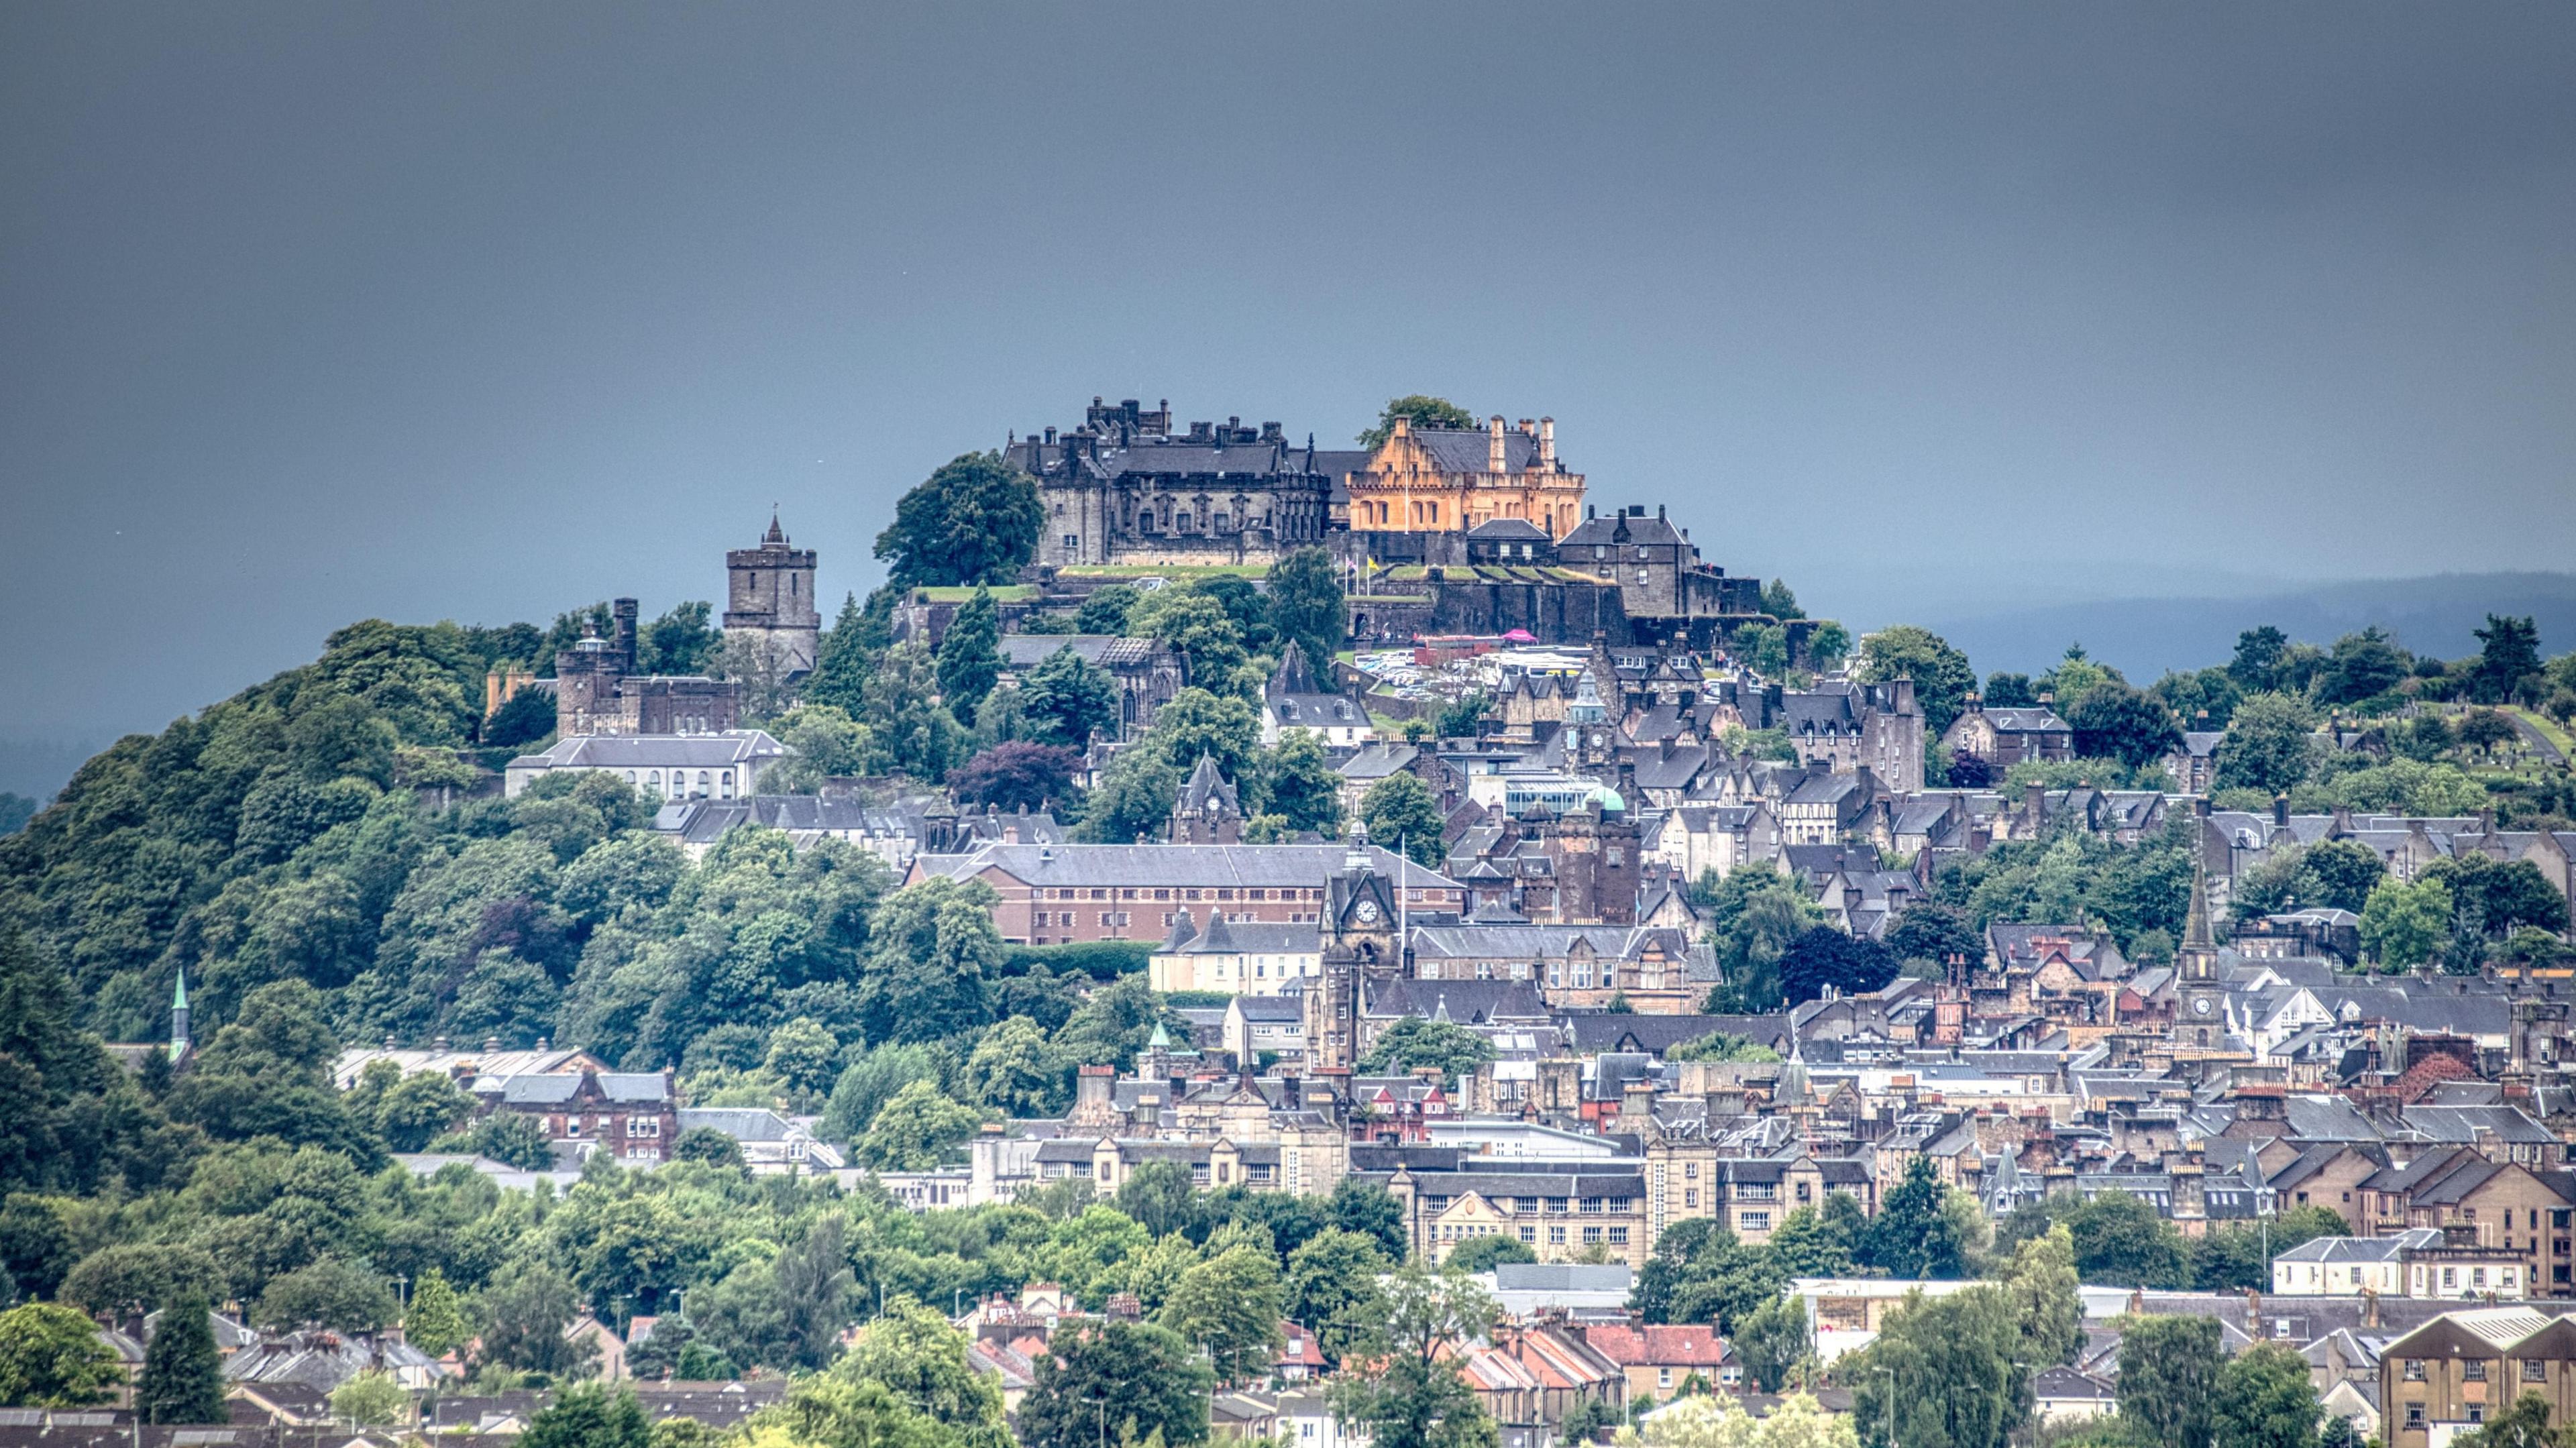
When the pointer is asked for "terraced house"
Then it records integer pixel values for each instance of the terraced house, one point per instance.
(2453, 1373)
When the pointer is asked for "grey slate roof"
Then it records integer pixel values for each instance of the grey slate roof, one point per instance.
(1204, 866)
(2028, 721)
(1022, 651)
(655, 751)
(1468, 450)
(553, 1087)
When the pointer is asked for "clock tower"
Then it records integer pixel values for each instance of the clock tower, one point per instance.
(2200, 1001)
(1362, 943)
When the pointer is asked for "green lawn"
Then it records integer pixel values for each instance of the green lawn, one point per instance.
(1007, 593)
(1141, 570)
(2548, 730)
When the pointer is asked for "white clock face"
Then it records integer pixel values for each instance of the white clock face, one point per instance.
(1367, 912)
(2200, 1007)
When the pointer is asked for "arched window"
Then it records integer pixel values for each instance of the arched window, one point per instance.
(630, 776)
(652, 779)
(702, 784)
(726, 780)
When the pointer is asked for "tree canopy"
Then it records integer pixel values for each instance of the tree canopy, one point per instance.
(974, 521)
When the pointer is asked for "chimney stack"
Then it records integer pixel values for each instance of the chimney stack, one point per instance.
(1496, 457)
(1546, 441)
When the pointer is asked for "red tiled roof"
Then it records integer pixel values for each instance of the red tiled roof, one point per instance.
(1659, 1345)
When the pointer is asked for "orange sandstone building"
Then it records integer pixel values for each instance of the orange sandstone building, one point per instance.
(1444, 479)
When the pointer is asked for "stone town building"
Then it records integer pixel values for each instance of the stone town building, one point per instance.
(1657, 568)
(1053, 894)
(1573, 967)
(718, 766)
(2006, 737)
(769, 604)
(1692, 1176)
(2503, 1204)
(1453, 480)
(1844, 727)
(1239, 958)
(1208, 810)
(1124, 488)
(1297, 696)
(1364, 921)
(1560, 1211)
(597, 690)
(632, 1116)
(2462, 1368)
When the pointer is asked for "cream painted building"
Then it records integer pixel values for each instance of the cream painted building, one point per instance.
(1245, 957)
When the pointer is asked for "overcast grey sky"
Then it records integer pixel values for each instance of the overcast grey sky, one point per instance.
(316, 312)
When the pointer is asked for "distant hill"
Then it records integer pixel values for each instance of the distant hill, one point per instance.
(39, 768)
(2143, 637)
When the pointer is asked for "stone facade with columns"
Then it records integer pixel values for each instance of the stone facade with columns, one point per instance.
(1124, 488)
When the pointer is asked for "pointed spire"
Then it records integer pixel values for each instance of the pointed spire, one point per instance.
(179, 1017)
(2195, 931)
(775, 535)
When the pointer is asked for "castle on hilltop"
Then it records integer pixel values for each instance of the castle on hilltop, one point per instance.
(1124, 488)
(772, 632)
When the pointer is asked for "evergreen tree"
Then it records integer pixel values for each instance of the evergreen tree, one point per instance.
(2510, 654)
(845, 657)
(183, 1376)
(436, 1321)
(1306, 605)
(970, 656)
(1104, 610)
(909, 730)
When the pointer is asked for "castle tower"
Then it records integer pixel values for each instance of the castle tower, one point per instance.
(588, 699)
(769, 601)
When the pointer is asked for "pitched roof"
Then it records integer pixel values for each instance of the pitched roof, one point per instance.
(1203, 866)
